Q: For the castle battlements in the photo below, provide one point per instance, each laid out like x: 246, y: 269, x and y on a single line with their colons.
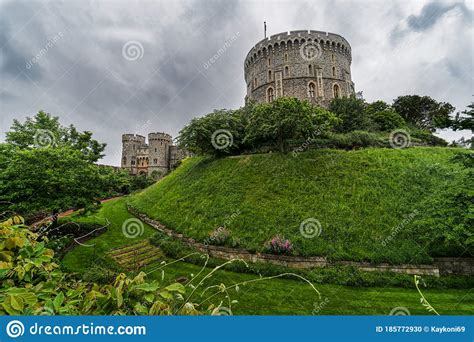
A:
x: 158, y: 155
x: 309, y: 65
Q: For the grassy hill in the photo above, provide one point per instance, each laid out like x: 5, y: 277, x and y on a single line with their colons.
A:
x: 361, y: 198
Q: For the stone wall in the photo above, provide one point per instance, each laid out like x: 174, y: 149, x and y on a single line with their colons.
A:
x: 277, y: 63
x: 441, y: 266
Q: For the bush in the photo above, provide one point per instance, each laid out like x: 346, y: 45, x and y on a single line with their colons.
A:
x: 349, y: 141
x: 425, y: 136
x: 33, y: 284
x: 279, y: 245
x: 387, y: 120
x: 264, y: 125
x: 351, y: 111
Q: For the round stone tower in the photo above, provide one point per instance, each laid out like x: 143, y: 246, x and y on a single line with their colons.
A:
x: 131, y: 144
x: 309, y: 65
x: 158, y: 146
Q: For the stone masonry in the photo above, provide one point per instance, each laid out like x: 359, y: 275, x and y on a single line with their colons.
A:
x: 141, y: 158
x: 309, y: 65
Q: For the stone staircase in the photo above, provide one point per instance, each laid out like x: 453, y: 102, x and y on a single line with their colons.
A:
x: 137, y: 255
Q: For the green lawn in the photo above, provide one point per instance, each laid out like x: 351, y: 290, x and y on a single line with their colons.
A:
x: 358, y: 196
x: 276, y: 296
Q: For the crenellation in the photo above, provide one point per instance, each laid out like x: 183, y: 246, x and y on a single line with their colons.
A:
x: 159, y: 154
x: 276, y: 66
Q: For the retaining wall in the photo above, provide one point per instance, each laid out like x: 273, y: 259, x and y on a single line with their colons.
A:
x: 441, y: 266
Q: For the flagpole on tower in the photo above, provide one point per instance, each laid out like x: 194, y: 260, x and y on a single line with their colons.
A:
x: 265, y: 29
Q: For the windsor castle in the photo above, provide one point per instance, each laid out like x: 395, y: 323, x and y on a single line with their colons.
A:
x: 308, y: 65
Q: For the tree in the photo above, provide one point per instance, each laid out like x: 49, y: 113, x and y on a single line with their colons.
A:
x: 465, y: 119
x: 286, y: 118
x: 44, y: 130
x: 387, y: 120
x: 48, y: 179
x: 351, y: 111
x: 377, y: 106
x: 423, y: 112
x: 217, y: 133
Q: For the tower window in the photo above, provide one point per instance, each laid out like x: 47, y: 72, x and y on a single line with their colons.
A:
x: 334, y: 71
x: 269, y: 62
x: 155, y: 149
x: 287, y: 71
x: 270, y: 94
x: 269, y: 75
x: 155, y: 161
x: 311, y: 90
x: 332, y: 57
x: 336, y: 92
x: 124, y: 161
x: 310, y: 69
x: 286, y: 57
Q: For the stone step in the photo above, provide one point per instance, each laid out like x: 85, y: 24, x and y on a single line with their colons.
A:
x: 128, y: 247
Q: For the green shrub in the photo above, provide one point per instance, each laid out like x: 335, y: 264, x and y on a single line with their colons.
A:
x: 349, y: 141
x: 387, y: 120
x: 351, y: 111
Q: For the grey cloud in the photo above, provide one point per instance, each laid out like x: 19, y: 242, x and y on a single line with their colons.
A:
x: 88, y: 82
x: 432, y: 12
x: 430, y: 15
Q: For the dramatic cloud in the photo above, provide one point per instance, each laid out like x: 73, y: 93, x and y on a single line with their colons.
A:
x: 185, y: 58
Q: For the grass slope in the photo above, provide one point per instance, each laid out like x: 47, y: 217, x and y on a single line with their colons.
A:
x: 358, y: 196
x: 277, y: 296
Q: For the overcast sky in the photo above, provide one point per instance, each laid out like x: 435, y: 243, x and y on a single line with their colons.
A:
x: 116, y: 67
